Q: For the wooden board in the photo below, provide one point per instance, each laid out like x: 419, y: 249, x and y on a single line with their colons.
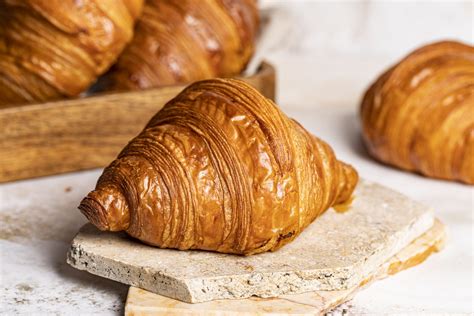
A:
x: 77, y: 134
x: 144, y: 303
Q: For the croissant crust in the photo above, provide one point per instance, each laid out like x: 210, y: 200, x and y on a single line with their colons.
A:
x: 219, y: 168
x: 57, y: 48
x: 180, y: 41
x: 419, y: 115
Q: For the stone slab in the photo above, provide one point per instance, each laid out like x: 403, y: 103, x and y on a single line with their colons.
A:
x: 145, y: 303
x: 336, y: 252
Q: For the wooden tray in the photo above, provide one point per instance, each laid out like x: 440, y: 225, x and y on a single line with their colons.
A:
x: 70, y: 135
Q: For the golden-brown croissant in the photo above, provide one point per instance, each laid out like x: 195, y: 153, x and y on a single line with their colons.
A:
x: 179, y: 41
x: 219, y: 168
x: 419, y: 115
x: 56, y: 48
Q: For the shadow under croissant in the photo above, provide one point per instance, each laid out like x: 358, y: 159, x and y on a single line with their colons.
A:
x: 85, y: 281
x: 92, y: 282
x: 351, y: 130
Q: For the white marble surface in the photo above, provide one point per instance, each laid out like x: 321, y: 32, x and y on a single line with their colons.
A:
x: 330, y: 52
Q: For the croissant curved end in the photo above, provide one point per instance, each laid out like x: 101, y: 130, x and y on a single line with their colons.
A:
x: 107, y: 209
x: 351, y: 177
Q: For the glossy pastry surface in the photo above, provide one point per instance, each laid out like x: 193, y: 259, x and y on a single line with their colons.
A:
x: 51, y: 49
x: 419, y: 115
x: 219, y: 168
x: 181, y: 41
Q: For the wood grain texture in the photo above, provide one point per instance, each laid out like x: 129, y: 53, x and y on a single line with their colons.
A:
x: 70, y: 135
x: 144, y: 303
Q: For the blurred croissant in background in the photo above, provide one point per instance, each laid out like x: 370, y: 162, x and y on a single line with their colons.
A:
x: 219, y: 168
x: 419, y: 115
x: 181, y: 41
x: 57, y: 48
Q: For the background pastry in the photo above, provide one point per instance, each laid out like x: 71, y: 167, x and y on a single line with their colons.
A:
x: 219, y: 168
x: 57, y: 48
x: 179, y: 41
x: 419, y: 115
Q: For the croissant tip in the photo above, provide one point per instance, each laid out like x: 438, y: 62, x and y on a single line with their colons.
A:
x: 94, y: 212
x: 349, y: 182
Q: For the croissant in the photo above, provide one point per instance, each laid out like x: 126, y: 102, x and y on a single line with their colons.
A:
x: 180, y: 41
x: 419, y: 115
x: 219, y: 168
x: 57, y: 48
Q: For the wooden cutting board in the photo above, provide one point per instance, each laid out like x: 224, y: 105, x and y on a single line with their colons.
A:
x: 143, y: 303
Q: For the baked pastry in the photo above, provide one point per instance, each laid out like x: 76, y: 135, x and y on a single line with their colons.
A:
x: 57, y: 48
x: 181, y: 41
x: 219, y: 168
x: 419, y: 115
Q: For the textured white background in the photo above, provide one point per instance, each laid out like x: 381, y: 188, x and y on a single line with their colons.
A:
x: 326, y: 53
